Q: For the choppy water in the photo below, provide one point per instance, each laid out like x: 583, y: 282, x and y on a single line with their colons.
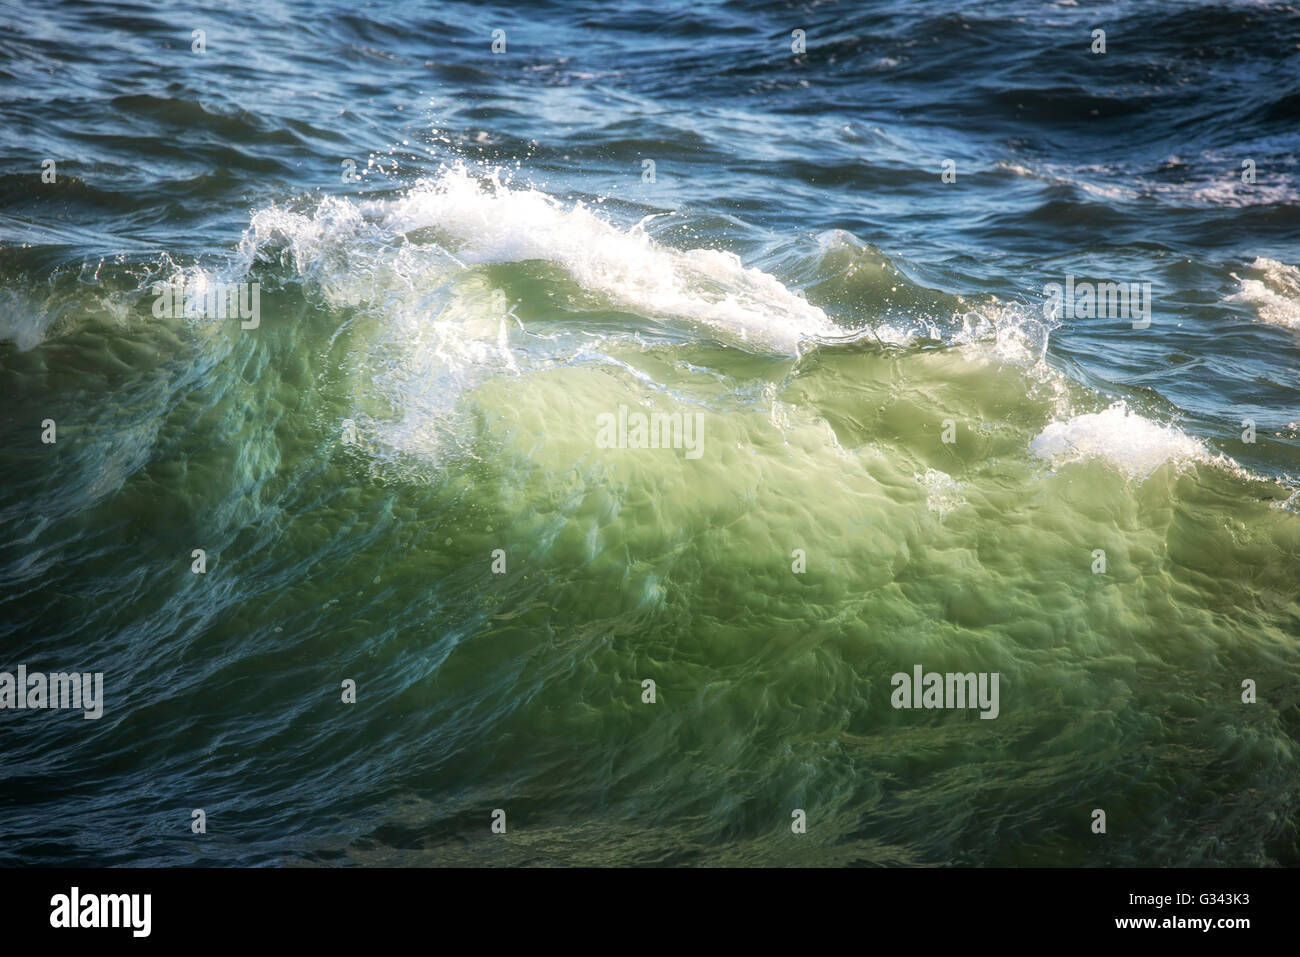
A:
x: 438, y: 340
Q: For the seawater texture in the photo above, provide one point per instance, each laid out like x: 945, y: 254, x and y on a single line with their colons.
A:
x: 439, y: 339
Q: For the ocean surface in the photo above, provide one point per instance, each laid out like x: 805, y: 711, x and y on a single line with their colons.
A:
x: 472, y: 251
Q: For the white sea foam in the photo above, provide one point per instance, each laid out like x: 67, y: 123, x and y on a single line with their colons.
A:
x: 1274, y: 293
x: 1130, y: 443
x: 477, y: 223
x: 23, y: 320
x: 942, y: 492
x: 1207, y: 184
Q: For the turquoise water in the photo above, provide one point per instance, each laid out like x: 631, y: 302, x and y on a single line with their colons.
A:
x: 399, y: 476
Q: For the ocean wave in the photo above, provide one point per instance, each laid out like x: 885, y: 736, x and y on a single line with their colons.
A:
x: 455, y: 220
x: 1130, y: 443
x: 1274, y: 292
